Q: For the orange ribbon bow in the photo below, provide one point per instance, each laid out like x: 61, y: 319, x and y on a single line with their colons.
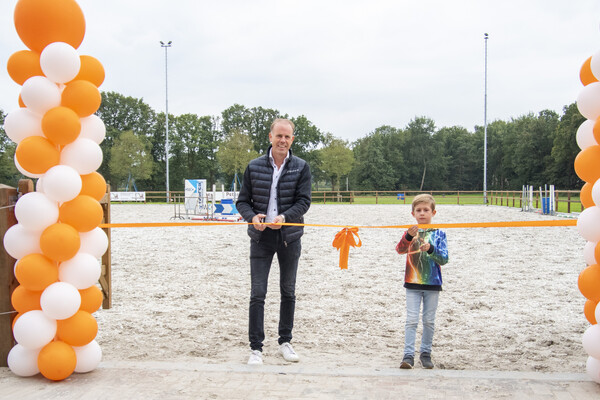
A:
x: 343, y: 240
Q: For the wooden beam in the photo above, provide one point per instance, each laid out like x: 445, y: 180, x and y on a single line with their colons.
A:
x: 8, y: 282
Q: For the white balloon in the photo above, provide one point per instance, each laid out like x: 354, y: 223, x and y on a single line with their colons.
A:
x: 93, y: 128
x: 39, y: 185
x: 62, y: 183
x: 596, y: 192
x: 60, y: 300
x: 588, y: 253
x: 23, y: 361
x: 94, y: 242
x: 22, y: 123
x: 591, y: 341
x: 88, y: 357
x: 84, y: 155
x: 60, y: 62
x: 35, y: 211
x: 18, y: 241
x: 81, y: 271
x: 34, y: 329
x: 40, y: 94
x: 585, y: 135
x: 592, y: 367
x: 25, y: 172
x: 588, y: 224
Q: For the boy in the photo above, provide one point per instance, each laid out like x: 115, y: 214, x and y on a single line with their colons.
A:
x: 426, y: 250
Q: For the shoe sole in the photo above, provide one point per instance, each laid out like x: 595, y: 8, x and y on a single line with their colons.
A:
x: 406, y: 365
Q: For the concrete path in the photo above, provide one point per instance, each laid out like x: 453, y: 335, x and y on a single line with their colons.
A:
x: 189, y: 380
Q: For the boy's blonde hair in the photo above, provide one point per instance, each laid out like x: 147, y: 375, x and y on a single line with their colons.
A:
x: 424, y: 198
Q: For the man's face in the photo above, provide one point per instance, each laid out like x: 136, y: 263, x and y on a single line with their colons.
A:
x: 281, y: 137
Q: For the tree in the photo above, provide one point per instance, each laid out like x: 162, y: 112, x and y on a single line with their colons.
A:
x: 422, y: 153
x: 565, y: 149
x: 235, y: 153
x: 122, y: 113
x: 9, y: 175
x: 369, y: 155
x: 130, y: 158
x: 336, y: 160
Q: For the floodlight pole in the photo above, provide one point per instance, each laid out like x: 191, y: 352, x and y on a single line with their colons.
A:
x: 485, y: 36
x: 166, y: 46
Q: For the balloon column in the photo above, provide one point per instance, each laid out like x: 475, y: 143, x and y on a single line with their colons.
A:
x: 57, y: 242
x: 587, y: 167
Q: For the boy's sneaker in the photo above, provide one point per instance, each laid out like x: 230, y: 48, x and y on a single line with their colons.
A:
x: 426, y: 361
x: 407, y: 362
x: 255, y: 357
x: 288, y: 353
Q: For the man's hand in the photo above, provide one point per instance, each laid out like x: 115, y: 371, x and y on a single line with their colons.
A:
x: 278, y: 220
x: 258, y: 221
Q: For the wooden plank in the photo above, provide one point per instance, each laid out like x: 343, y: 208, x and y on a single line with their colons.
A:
x: 105, y: 277
x: 8, y: 282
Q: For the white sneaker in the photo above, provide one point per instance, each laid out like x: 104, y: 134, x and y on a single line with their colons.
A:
x: 255, y: 357
x: 288, y: 353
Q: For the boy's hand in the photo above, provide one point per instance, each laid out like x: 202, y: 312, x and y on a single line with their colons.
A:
x: 425, y: 247
x: 413, y: 230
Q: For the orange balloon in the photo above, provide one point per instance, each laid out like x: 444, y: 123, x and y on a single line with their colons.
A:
x: 82, y: 97
x: 36, y: 272
x: 586, y: 195
x: 83, y: 213
x: 60, y: 242
x: 37, y: 154
x: 78, y: 330
x: 15, y: 320
x: 596, y: 131
x: 597, y: 253
x: 24, y: 300
x: 24, y: 64
x: 41, y: 22
x: 589, y: 282
x: 91, y: 70
x: 57, y: 360
x: 585, y: 74
x: 93, y: 185
x: 91, y: 299
x: 61, y: 125
x: 589, y: 309
x: 587, y: 164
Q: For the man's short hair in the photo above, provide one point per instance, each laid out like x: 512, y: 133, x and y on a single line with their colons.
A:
x: 424, y: 198
x: 279, y: 120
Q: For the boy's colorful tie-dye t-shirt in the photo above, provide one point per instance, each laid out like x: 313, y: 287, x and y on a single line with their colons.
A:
x: 423, y: 268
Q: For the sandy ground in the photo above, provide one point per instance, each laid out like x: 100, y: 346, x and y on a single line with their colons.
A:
x: 510, y: 299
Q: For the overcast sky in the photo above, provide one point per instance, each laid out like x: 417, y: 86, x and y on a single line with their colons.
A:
x: 349, y: 66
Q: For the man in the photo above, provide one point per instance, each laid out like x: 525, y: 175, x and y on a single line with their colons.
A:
x: 276, y: 189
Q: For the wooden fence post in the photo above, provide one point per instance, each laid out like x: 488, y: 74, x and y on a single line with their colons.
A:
x: 105, y: 277
x: 8, y: 282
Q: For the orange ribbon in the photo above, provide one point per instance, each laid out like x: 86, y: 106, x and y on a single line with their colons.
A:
x: 343, y: 240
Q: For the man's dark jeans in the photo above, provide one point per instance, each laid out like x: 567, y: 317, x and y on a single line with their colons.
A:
x: 261, y: 256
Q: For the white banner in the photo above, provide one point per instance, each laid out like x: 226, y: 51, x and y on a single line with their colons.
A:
x: 128, y: 196
x: 195, y: 195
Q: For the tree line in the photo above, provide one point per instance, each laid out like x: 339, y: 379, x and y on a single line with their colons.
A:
x: 533, y: 149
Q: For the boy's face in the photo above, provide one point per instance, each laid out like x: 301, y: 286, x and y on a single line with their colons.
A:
x: 423, y: 213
